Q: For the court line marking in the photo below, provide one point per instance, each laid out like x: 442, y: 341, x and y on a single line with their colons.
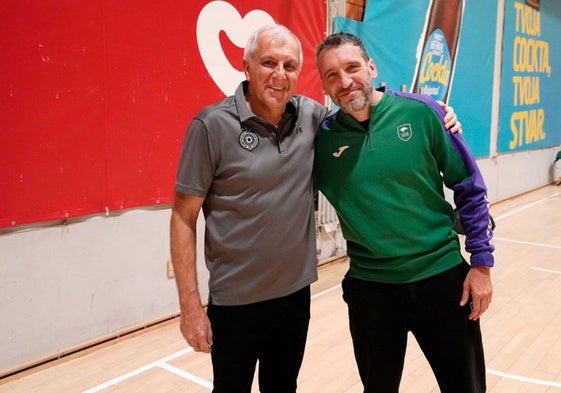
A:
x: 140, y: 370
x: 546, y: 270
x: 524, y: 207
x: 186, y: 375
x: 525, y: 242
x: 533, y: 381
x: 326, y: 291
x: 524, y: 379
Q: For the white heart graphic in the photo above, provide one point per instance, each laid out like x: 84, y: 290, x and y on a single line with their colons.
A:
x: 219, y: 16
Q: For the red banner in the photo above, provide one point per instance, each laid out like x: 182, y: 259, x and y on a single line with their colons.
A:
x: 96, y: 96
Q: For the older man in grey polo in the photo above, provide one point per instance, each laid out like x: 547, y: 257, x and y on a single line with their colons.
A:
x: 247, y: 163
x: 258, y: 204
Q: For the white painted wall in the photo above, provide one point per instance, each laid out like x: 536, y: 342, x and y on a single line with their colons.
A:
x: 68, y: 285
x: 513, y: 174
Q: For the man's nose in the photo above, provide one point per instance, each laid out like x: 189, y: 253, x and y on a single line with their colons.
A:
x: 280, y: 72
x: 345, y: 80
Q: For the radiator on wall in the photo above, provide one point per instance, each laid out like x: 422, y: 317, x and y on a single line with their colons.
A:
x: 330, y: 242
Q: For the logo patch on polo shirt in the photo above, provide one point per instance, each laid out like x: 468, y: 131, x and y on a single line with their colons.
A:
x: 248, y: 139
x: 404, y: 132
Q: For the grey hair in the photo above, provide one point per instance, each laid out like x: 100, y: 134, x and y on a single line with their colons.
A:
x: 279, y: 32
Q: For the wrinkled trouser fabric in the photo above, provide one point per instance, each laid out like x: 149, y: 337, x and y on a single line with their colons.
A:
x: 272, y: 332
x: 381, y: 315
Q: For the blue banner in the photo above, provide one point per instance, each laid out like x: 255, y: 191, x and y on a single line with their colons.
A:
x: 530, y: 112
x: 444, y: 48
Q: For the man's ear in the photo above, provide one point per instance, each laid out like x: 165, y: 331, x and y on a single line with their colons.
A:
x: 246, y: 69
x: 372, y: 69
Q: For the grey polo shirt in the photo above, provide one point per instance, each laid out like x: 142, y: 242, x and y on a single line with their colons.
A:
x: 260, y: 229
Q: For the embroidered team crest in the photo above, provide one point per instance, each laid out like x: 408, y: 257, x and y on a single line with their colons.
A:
x: 404, y: 132
x: 248, y: 139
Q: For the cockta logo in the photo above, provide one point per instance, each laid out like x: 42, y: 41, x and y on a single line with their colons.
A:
x: 439, y: 44
x: 434, y: 73
x: 219, y: 16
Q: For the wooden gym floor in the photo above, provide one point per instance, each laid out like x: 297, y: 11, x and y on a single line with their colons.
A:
x: 522, y: 329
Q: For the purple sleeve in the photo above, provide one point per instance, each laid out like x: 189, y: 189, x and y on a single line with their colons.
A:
x: 470, y: 195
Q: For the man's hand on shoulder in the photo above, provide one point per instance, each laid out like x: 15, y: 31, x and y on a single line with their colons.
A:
x: 451, y: 121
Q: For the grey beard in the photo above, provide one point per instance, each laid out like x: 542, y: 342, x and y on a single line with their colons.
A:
x: 355, y: 105
x: 360, y: 103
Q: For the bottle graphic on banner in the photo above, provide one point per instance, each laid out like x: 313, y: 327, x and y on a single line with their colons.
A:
x: 438, y: 46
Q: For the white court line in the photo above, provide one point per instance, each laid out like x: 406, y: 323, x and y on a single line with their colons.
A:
x: 186, y: 375
x: 546, y: 270
x: 138, y: 371
x: 120, y: 378
x: 326, y: 291
x: 520, y: 378
x: 529, y: 243
x: 524, y: 379
x: 524, y: 207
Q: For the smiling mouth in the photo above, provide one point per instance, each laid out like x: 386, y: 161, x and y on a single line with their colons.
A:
x: 347, y: 92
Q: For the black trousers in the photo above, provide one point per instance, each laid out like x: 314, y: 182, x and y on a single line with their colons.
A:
x: 272, y: 332
x: 381, y: 315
